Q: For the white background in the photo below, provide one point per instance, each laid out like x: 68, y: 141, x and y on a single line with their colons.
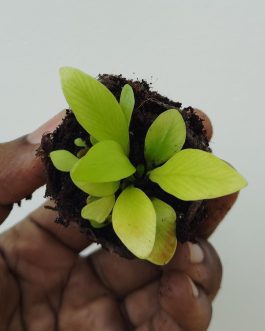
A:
x: 208, y: 54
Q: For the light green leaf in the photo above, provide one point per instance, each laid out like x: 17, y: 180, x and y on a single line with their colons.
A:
x: 94, y: 106
x: 99, y: 209
x: 127, y: 102
x: 166, y: 241
x: 98, y: 189
x: 192, y: 174
x: 104, y: 162
x: 93, y: 140
x: 80, y: 142
x: 98, y: 225
x: 63, y: 160
x: 134, y: 221
x: 91, y: 198
x: 165, y: 137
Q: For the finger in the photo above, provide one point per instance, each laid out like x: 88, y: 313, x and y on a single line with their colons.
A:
x: 216, y: 211
x: 121, y: 275
x: 206, y: 123
x: 140, y: 305
x: 30, y: 250
x: 160, y: 322
x: 69, y: 236
x: 9, y: 293
x: 102, y: 314
x: 198, y: 261
x: 4, y: 212
x: 186, y: 303
x: 163, y: 321
x: 21, y: 171
x: 201, y: 263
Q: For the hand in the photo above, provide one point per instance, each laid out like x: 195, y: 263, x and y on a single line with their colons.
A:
x: 46, y: 285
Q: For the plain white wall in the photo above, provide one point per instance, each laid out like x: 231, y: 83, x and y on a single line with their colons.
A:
x: 208, y: 54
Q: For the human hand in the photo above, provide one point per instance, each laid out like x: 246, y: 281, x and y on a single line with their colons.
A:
x: 46, y: 285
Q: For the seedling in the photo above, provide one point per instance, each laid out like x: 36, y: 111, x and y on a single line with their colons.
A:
x: 145, y: 224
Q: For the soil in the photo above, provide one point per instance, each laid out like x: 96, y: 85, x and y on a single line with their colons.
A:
x: 69, y: 199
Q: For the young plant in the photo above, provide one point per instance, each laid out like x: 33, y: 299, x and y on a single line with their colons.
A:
x: 145, y: 224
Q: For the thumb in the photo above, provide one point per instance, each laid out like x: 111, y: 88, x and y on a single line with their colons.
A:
x: 216, y: 210
x: 21, y: 171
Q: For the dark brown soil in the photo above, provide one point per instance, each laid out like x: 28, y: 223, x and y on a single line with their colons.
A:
x: 70, y: 200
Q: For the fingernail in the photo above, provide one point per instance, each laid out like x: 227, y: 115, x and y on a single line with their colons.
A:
x: 51, y: 125
x: 196, y: 253
x: 194, y: 288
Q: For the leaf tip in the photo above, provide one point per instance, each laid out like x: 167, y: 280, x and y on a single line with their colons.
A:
x: 63, y: 71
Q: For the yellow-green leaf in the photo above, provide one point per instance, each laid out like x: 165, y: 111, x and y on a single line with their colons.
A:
x: 193, y: 174
x: 98, y: 189
x: 98, y: 210
x: 134, y: 221
x: 127, y: 102
x: 63, y: 160
x: 93, y: 140
x: 166, y: 241
x: 165, y: 137
x: 104, y: 162
x: 80, y: 142
x: 98, y: 225
x: 95, y: 107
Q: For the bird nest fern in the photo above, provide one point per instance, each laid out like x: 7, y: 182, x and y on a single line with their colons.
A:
x: 145, y: 224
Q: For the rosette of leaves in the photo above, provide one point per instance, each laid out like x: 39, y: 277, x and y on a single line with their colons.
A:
x: 145, y: 224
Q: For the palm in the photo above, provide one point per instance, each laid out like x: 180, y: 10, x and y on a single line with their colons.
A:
x: 48, y: 286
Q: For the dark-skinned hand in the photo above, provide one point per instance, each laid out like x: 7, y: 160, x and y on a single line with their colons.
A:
x: 45, y: 285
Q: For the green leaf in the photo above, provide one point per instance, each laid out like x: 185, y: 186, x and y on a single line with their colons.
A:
x: 95, y: 107
x: 166, y: 241
x: 80, y: 142
x: 91, y: 198
x: 98, y: 225
x: 63, y: 160
x: 93, y: 140
x: 193, y: 174
x: 98, y: 210
x: 98, y: 189
x: 127, y: 102
x: 134, y: 221
x: 165, y: 137
x: 104, y: 162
